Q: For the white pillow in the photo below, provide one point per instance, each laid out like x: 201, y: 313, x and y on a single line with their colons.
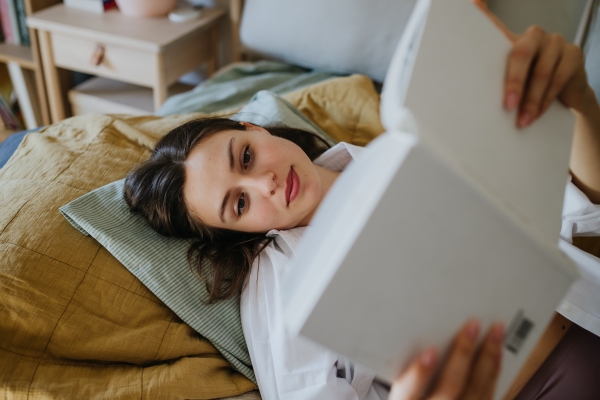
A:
x: 337, y: 36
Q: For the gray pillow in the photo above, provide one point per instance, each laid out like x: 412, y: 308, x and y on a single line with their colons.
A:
x: 160, y: 262
x: 339, y: 36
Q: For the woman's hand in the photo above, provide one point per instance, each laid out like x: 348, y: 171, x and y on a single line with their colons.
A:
x: 469, y: 373
x: 542, y: 67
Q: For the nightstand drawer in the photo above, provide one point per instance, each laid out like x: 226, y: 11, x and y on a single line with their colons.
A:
x: 116, y: 62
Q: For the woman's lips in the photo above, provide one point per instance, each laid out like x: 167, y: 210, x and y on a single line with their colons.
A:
x: 293, y: 186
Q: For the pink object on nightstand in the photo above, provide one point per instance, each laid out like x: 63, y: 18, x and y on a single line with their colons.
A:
x: 146, y: 8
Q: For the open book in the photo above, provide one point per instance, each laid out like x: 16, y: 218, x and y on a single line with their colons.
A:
x: 453, y: 213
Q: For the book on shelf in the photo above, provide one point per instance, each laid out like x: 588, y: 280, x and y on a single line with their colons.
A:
x: 22, y: 19
x: 1, y: 32
x: 453, y: 213
x: 14, y: 21
x: 14, y: 26
x: 8, y: 116
x: 97, y: 6
x: 7, y: 29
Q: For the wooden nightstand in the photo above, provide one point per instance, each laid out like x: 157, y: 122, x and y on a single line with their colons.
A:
x: 152, y: 52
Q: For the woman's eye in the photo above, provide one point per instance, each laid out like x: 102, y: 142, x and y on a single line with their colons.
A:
x: 247, y: 156
x: 241, y: 205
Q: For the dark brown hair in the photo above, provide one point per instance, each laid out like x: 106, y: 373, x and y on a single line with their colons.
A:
x: 221, y: 257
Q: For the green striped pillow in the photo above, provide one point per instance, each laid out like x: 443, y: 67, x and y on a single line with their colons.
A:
x: 160, y: 262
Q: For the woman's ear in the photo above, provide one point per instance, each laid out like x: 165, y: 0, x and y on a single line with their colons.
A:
x: 255, y: 127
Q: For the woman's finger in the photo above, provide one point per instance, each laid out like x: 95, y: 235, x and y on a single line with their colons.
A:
x: 569, y: 80
x: 457, y: 370
x: 541, y: 78
x: 487, y: 366
x: 413, y: 382
x: 563, y: 74
x: 524, y: 51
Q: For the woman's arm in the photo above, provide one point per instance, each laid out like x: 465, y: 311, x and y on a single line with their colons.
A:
x: 542, y: 67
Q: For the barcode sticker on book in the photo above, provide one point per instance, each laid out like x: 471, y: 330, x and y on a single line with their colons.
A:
x: 518, y: 332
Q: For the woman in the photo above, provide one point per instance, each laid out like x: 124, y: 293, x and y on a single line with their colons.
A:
x: 225, y: 184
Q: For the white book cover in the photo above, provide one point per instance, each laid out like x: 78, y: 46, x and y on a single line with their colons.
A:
x: 458, y: 218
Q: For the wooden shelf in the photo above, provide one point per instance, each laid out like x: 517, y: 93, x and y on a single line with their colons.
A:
x: 22, y: 55
x: 108, y: 96
x: 30, y: 71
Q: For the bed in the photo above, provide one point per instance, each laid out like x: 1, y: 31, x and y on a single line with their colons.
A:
x: 74, y: 321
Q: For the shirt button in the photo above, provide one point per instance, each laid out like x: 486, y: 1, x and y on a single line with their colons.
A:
x: 566, y: 307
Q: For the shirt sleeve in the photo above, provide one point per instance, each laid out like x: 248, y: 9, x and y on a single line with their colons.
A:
x: 289, y: 367
x: 581, y: 217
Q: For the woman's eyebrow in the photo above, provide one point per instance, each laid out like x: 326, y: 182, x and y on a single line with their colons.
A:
x: 230, y: 148
x: 231, y: 164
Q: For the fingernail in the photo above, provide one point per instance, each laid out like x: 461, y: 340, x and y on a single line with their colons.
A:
x: 512, y: 101
x: 472, y: 329
x: 525, y: 118
x: 428, y: 358
x: 498, y: 333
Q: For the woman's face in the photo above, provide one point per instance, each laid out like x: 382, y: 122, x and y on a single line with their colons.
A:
x: 251, y: 181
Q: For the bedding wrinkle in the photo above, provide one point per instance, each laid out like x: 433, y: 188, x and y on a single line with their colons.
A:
x: 346, y: 108
x: 142, y: 384
x: 55, y: 326
x: 158, y: 302
x: 161, y: 341
x: 42, y: 254
x: 357, y: 120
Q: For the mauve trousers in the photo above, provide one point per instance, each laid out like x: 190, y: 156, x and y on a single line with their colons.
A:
x: 571, y: 371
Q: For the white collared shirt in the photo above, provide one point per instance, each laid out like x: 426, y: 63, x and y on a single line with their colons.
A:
x: 288, y: 367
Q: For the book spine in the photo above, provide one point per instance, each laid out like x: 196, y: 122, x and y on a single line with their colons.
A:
x: 3, y: 125
x: 6, y: 27
x: 22, y: 17
x: 8, y: 116
x: 1, y: 32
x: 14, y: 21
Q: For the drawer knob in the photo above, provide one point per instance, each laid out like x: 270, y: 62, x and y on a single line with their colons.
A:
x: 98, y: 55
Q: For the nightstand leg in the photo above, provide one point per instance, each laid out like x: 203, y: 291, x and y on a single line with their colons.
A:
x: 55, y: 102
x: 160, y: 86
x: 39, y: 78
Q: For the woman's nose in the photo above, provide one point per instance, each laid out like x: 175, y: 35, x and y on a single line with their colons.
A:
x: 264, y: 183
